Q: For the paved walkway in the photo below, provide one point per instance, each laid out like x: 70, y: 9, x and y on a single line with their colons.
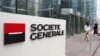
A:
x: 76, y: 46
x: 97, y: 52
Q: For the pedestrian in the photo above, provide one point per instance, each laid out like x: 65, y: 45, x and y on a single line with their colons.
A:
x: 87, y: 29
x: 96, y: 29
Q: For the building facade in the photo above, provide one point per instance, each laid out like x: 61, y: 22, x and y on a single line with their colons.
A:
x: 75, y: 12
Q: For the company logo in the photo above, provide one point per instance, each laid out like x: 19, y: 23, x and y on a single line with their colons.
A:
x: 14, y: 32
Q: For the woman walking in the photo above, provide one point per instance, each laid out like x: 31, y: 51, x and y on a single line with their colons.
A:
x: 87, y: 29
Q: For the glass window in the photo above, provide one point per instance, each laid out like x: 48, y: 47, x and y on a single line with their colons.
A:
x: 22, y: 6
x: 8, y: 6
x: 33, y: 7
x: 48, y: 8
x: 0, y: 5
x: 66, y: 4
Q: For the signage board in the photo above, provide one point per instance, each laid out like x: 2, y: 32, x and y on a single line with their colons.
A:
x: 31, y: 36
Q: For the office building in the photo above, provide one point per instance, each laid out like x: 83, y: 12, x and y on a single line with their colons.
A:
x: 75, y: 12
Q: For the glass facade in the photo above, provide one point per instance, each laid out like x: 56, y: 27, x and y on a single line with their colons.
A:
x: 75, y: 12
x: 91, y: 9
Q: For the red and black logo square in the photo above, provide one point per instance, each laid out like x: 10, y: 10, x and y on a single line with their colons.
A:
x: 14, y: 32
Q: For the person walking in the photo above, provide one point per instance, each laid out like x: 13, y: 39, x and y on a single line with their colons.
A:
x: 96, y: 29
x: 87, y: 29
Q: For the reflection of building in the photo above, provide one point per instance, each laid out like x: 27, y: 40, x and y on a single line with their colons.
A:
x: 7, y: 5
x: 91, y: 9
x: 75, y: 12
x: 19, y: 6
x: 49, y: 8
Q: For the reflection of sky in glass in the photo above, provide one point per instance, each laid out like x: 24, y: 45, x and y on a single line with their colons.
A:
x: 98, y: 8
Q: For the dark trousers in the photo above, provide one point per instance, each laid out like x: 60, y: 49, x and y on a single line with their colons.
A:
x: 95, y: 31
